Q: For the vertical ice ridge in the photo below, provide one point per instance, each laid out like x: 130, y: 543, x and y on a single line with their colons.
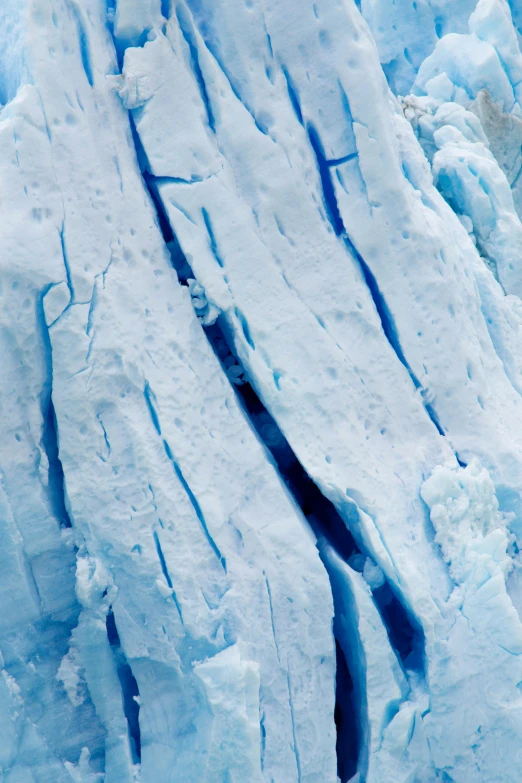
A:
x: 32, y: 584
x: 334, y: 214
x: 186, y: 15
x: 251, y: 342
x: 272, y: 617
x: 292, y: 718
x: 215, y: 251
x: 386, y: 602
x: 211, y: 233
x: 150, y: 401
x: 190, y: 211
x: 411, y: 656
x: 288, y: 679
x: 241, y: 391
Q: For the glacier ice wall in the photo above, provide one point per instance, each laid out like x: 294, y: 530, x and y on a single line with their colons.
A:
x: 261, y: 415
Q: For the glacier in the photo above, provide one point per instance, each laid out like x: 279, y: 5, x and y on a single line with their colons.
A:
x: 260, y: 391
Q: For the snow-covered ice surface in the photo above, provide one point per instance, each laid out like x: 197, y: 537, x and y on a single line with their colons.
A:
x: 260, y: 391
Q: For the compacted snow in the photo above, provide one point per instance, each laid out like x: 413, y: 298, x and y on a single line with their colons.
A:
x: 260, y: 391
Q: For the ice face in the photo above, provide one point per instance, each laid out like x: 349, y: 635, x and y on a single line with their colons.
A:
x: 260, y: 463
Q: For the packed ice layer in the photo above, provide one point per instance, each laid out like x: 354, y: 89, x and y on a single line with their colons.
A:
x: 260, y: 465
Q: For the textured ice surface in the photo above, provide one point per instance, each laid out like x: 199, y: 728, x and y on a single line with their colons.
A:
x: 260, y: 391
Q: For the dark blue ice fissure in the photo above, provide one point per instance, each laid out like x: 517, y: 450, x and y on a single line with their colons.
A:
x: 129, y: 687
x: 161, y: 215
x: 166, y: 574
x: 195, y: 505
x: 50, y: 442
x: 390, y: 330
x: 404, y: 631
x: 323, y: 167
x: 212, y: 237
x: 188, y: 34
x: 165, y: 8
x: 143, y: 158
x: 383, y: 311
x: 56, y: 479
x: 161, y: 558
x: 406, y: 635
x: 293, y: 95
x: 68, y: 275
x: 245, y: 328
x: 339, y: 161
x: 177, y: 257
x: 84, y: 45
x: 150, y: 399
x: 346, y: 719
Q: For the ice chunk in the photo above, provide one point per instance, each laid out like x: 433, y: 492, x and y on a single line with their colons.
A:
x: 504, y: 134
x: 471, y: 64
x: 205, y: 310
x: 373, y: 575
x: 232, y: 688
x: 471, y: 180
x: 480, y: 77
x: 82, y: 772
x: 481, y: 618
x: 464, y: 511
x: 69, y: 674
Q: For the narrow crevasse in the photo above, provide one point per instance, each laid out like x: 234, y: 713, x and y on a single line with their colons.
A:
x: 129, y: 688
x: 405, y: 637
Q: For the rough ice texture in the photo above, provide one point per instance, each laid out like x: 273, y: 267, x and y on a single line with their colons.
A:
x: 261, y: 431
